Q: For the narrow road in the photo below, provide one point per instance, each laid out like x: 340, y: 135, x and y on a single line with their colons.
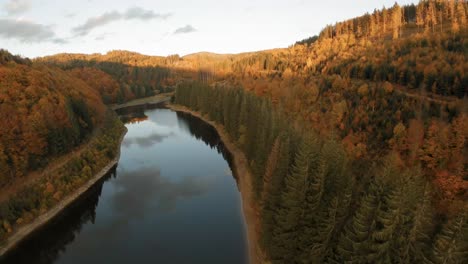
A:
x: 20, y: 182
x: 160, y: 98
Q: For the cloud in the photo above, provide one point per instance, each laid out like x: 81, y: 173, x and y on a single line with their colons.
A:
x: 95, y: 22
x: 109, y: 17
x: 146, y: 141
x: 103, y: 36
x: 185, y: 30
x: 59, y: 41
x: 140, y: 13
x: 70, y: 15
x: 146, y: 190
x: 14, y: 7
x: 28, y: 32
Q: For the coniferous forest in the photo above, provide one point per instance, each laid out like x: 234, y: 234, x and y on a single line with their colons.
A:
x: 317, y: 204
x: 356, y: 138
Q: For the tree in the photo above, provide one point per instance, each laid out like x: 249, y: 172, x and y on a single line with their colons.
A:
x: 418, y: 238
x: 272, y: 195
x: 396, y: 20
x: 351, y: 245
x: 451, y: 245
x: 292, y: 200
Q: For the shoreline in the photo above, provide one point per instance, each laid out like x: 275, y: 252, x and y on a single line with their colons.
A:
x: 245, y: 184
x: 25, y: 231
x: 249, y: 209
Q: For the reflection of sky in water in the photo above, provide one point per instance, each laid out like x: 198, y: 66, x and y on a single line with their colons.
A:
x: 170, y: 203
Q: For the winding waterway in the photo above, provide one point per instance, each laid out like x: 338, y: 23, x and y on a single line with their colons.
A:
x: 172, y: 199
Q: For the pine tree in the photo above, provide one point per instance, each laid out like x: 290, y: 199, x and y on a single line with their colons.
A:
x: 271, y: 164
x: 235, y: 116
x: 451, y: 245
x: 396, y: 20
x: 431, y: 17
x: 461, y: 13
x: 325, y: 231
x: 243, y: 114
x: 387, y: 221
x: 271, y: 203
x: 292, y: 205
x: 420, y: 15
x: 418, y: 238
x: 351, y: 245
x: 261, y: 148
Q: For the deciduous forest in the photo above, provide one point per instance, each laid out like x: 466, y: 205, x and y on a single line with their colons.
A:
x: 357, y: 139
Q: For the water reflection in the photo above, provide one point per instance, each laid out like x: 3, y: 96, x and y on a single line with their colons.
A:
x: 170, y: 201
x: 146, y: 141
x: 148, y: 190
x: 134, y: 118
x: 206, y: 133
x: 41, y: 248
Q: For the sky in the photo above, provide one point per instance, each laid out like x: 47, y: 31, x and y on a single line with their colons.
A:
x: 35, y: 28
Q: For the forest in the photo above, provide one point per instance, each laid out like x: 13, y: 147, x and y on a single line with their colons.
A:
x: 31, y: 128
x: 357, y: 137
x: 382, y: 177
x: 317, y: 204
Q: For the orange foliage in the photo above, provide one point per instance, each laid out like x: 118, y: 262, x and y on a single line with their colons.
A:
x: 107, y: 87
x: 44, y: 111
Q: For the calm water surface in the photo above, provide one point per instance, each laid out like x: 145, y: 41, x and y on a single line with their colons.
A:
x: 172, y: 199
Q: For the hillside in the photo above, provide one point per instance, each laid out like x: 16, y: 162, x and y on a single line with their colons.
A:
x: 45, y: 113
x: 56, y: 133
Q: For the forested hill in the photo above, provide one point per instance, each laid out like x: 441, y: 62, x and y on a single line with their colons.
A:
x: 55, y: 135
x: 45, y: 112
x: 416, y: 47
x: 390, y: 81
x: 420, y: 47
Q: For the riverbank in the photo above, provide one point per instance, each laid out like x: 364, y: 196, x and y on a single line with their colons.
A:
x: 24, y: 231
x: 249, y: 206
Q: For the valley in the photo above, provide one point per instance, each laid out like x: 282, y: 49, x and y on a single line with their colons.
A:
x: 350, y: 146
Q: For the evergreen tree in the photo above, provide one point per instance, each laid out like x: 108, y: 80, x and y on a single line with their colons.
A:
x: 451, y: 245
x: 272, y: 194
x: 292, y: 205
x: 352, y: 245
x: 421, y: 225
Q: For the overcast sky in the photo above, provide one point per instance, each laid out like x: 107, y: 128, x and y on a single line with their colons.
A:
x: 156, y: 27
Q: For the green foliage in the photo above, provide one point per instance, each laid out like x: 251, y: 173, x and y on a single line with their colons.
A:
x: 451, y: 245
x: 317, y: 204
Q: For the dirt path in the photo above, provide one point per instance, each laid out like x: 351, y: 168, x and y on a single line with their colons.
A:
x: 26, y: 230
x: 160, y: 98
x: 250, y: 209
x: 58, y: 162
x: 430, y: 97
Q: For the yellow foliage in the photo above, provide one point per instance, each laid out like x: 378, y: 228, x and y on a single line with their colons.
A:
x: 363, y: 90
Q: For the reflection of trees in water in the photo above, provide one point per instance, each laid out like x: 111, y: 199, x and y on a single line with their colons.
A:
x: 135, y: 117
x: 137, y: 109
x: 46, y: 244
x: 208, y: 134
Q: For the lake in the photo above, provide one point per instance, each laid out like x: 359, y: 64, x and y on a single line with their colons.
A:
x: 171, y: 199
